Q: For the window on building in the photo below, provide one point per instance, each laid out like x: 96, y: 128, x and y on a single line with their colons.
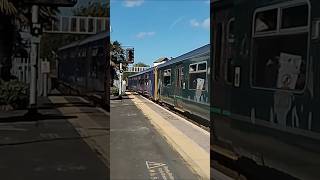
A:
x: 280, y: 59
x: 197, y: 78
x: 167, y: 77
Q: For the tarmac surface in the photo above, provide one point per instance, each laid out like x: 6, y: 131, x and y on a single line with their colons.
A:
x: 50, y: 148
x: 138, y: 151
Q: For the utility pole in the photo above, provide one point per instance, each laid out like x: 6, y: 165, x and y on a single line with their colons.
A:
x: 35, y: 43
x: 120, y: 79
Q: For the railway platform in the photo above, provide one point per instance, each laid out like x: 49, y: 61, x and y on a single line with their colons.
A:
x: 149, y: 142
x: 68, y: 141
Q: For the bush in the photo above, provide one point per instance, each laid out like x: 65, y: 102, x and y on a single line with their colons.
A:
x: 13, y: 93
x: 115, y: 91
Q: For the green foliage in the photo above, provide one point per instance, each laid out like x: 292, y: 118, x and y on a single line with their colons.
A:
x: 12, y: 93
x: 140, y: 64
x: 94, y: 9
x: 115, y: 91
x: 127, y: 74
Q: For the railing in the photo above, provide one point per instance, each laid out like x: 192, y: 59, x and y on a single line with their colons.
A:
x: 136, y: 69
x: 78, y: 25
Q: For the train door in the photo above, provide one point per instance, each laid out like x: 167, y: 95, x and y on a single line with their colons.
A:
x: 178, y: 86
x: 155, y: 85
x: 223, y: 62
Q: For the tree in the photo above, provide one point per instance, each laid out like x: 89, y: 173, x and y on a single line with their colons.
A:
x: 140, y: 64
x: 7, y: 7
x: 15, y: 14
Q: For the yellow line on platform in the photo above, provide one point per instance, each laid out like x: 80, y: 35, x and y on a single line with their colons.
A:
x: 197, y: 158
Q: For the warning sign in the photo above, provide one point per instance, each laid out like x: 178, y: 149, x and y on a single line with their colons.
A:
x: 45, y: 67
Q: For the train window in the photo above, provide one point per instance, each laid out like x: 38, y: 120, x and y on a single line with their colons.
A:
x: 167, y: 77
x: 294, y: 16
x: 197, y: 79
x: 202, y: 66
x: 94, y: 51
x: 193, y: 68
x: 266, y: 20
x: 280, y: 59
x: 280, y: 62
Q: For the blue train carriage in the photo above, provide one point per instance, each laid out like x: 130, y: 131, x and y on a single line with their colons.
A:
x: 82, y: 64
x: 143, y: 82
x: 265, y: 86
x: 183, y: 82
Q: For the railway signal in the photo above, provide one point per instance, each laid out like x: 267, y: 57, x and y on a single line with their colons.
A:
x: 130, y: 56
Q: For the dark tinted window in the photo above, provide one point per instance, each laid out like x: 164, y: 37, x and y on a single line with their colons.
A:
x: 295, y: 16
x: 202, y: 66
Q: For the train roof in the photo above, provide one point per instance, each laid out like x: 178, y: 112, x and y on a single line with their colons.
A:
x: 89, y: 39
x: 201, y: 50
x: 142, y: 72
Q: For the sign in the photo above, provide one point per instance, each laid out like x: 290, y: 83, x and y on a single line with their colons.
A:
x: 36, y: 29
x: 60, y: 3
x: 45, y: 67
x: 289, y: 70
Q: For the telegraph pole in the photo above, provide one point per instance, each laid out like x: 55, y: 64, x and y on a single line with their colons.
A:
x: 35, y: 43
x: 120, y: 79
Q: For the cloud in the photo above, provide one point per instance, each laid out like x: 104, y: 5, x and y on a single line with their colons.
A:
x: 133, y: 3
x: 142, y: 35
x: 176, y: 22
x: 203, y: 24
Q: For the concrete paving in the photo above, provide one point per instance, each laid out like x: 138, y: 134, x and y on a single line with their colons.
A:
x: 138, y: 151
x: 189, y: 140
x: 50, y: 149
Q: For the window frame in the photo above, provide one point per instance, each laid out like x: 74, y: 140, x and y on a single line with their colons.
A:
x: 281, y: 32
x: 197, y: 72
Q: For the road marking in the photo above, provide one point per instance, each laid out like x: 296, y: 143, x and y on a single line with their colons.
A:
x: 159, y: 171
x: 152, y: 165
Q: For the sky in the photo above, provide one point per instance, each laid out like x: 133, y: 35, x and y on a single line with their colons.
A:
x: 160, y: 28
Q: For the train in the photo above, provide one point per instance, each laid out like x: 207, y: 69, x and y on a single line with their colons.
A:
x: 83, y: 67
x: 182, y: 82
x: 265, y: 118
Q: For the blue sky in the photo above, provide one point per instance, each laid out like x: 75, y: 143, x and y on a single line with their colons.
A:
x: 160, y: 28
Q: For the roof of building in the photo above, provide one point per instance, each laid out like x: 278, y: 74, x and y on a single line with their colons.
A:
x: 89, y: 39
x: 161, y: 60
x: 142, y: 72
